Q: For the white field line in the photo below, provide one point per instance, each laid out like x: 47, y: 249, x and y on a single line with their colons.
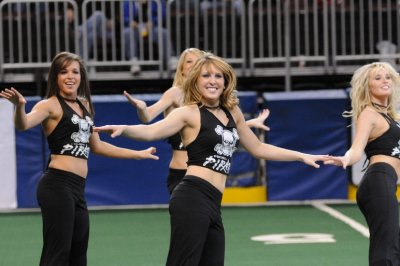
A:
x: 340, y: 216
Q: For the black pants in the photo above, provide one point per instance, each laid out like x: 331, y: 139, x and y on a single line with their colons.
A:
x: 376, y: 198
x: 65, y: 218
x: 197, y: 233
x: 174, y: 177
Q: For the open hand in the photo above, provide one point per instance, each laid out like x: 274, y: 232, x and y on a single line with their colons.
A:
x: 13, y: 96
x: 260, y: 119
x: 139, y: 104
x: 149, y: 153
x: 336, y: 160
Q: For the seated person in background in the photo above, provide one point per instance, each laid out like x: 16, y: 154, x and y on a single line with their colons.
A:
x: 138, y: 24
x: 94, y: 29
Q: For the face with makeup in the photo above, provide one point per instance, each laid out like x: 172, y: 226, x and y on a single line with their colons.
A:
x: 380, y: 85
x: 211, y: 84
x: 69, y: 79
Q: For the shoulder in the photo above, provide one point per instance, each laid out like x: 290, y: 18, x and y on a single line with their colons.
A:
x: 49, y: 103
x: 368, y: 114
x: 186, y: 112
x: 369, y: 117
x: 48, y: 107
x: 237, y: 114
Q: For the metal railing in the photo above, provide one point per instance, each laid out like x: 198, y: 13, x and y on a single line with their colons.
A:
x: 258, y: 37
x: 31, y: 32
x: 214, y: 25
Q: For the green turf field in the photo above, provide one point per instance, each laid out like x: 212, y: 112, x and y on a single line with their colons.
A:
x: 140, y: 237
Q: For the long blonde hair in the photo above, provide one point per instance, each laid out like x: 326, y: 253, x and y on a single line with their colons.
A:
x: 360, y: 92
x: 228, y: 98
x: 179, y: 77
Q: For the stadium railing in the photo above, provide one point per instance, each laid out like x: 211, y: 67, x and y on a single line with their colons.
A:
x: 258, y: 37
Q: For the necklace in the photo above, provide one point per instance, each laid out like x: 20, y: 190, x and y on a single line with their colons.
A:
x: 212, y: 107
x: 69, y: 100
x: 379, y: 105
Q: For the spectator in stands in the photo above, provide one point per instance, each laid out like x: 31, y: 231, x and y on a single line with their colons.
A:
x: 210, y: 124
x: 138, y: 25
x: 374, y: 96
x: 172, y: 99
x: 66, y: 116
x: 95, y: 26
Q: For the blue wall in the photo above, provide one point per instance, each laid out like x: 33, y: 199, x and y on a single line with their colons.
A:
x: 308, y: 121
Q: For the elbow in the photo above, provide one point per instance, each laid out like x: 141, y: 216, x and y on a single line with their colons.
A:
x: 21, y: 127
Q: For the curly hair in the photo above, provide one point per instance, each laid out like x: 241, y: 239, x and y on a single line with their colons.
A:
x: 228, y: 98
x: 360, y: 92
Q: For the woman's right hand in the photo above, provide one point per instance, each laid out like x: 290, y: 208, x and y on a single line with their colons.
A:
x: 13, y: 96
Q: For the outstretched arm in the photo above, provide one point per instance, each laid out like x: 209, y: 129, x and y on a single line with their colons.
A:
x: 22, y: 120
x: 364, y: 127
x: 259, y: 121
x: 148, y: 113
x: 164, y: 128
x: 106, y: 149
x: 141, y: 107
x: 267, y: 151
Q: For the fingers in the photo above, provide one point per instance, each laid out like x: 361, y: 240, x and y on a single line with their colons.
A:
x: 97, y: 129
x: 128, y: 96
x: 105, y: 129
x: 265, y: 128
x: 153, y: 150
x: 265, y: 113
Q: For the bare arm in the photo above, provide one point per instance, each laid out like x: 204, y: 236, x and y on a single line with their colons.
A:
x: 22, y: 120
x: 164, y: 128
x: 365, y: 125
x: 106, y: 149
x: 148, y: 113
x: 267, y: 151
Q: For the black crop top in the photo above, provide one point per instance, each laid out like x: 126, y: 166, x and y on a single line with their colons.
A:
x: 72, y: 133
x: 176, y: 142
x: 388, y: 143
x: 215, y: 143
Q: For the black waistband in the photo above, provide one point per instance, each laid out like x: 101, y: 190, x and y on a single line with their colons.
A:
x: 204, y: 186
x: 64, y: 176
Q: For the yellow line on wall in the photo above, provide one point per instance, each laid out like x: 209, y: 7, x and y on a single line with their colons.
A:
x: 353, y: 190
x: 254, y: 194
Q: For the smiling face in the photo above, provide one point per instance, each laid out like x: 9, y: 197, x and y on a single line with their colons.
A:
x: 211, y: 84
x: 69, y: 79
x: 380, y: 85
